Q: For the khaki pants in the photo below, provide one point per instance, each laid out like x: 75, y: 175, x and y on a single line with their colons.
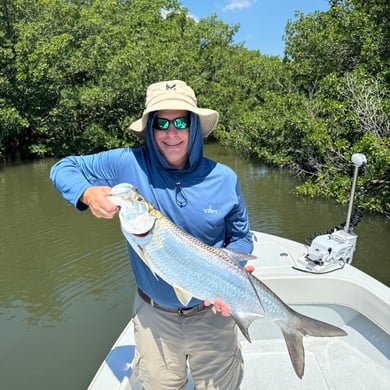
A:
x: 165, y: 341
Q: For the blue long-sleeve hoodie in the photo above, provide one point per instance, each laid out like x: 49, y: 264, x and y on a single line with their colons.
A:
x: 204, y: 199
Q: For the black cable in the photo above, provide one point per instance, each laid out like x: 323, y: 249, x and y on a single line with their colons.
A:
x: 322, y: 272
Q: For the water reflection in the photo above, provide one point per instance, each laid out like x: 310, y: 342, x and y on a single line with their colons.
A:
x: 51, y: 255
x: 65, y: 281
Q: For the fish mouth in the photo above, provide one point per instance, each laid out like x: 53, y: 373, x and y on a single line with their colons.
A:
x: 142, y: 234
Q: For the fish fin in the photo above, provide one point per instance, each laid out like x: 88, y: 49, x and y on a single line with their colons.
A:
x: 294, y: 342
x: 312, y: 327
x: 236, y: 256
x: 300, y: 326
x: 252, y: 282
x: 243, y: 322
x: 146, y: 260
x: 183, y: 296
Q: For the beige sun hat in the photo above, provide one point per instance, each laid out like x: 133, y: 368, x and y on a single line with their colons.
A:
x: 173, y: 95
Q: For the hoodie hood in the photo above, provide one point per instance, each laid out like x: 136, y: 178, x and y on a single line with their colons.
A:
x: 195, y: 146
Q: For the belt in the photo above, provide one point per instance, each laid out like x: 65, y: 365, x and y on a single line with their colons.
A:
x: 182, y: 312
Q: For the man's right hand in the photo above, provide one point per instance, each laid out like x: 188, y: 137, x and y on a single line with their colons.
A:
x: 96, y: 199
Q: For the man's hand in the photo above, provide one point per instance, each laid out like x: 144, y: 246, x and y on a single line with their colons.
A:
x: 219, y: 305
x: 96, y: 198
x: 249, y: 268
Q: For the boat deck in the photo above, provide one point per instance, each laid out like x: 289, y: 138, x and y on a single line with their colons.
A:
x: 360, y: 360
x: 351, y: 362
x: 346, y: 298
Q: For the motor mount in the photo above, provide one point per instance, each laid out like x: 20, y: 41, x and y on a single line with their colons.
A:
x: 331, y: 251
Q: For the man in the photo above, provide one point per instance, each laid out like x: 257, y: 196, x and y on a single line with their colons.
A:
x: 200, y: 196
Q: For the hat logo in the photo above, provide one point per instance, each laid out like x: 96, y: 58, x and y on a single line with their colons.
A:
x: 169, y: 87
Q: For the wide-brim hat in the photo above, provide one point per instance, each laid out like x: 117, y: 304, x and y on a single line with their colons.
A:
x: 174, y: 95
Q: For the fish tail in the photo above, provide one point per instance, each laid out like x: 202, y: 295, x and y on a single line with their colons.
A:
x: 293, y: 332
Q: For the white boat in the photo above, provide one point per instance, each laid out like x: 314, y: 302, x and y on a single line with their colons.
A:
x: 319, y: 281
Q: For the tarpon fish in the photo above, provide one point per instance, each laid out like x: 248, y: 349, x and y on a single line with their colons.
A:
x: 195, y: 269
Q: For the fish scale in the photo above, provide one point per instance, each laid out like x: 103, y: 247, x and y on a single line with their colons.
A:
x: 207, y: 271
x: 198, y: 270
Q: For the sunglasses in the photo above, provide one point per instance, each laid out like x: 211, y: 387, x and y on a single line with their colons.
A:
x: 179, y: 123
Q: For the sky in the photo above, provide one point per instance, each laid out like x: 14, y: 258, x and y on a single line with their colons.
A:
x: 262, y: 22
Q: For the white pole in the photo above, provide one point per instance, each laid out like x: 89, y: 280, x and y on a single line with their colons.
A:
x: 358, y: 160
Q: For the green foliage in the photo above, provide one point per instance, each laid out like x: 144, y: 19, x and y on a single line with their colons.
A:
x: 339, y: 40
x: 11, y: 124
x: 339, y: 60
x: 356, y: 120
x: 73, y: 76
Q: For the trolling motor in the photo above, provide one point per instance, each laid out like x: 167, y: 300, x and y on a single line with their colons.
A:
x: 331, y: 251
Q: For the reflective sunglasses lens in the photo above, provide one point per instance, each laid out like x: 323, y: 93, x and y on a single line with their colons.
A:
x: 161, y: 123
x: 181, y: 123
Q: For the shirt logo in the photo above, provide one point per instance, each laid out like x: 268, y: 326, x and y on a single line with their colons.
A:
x: 210, y: 210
